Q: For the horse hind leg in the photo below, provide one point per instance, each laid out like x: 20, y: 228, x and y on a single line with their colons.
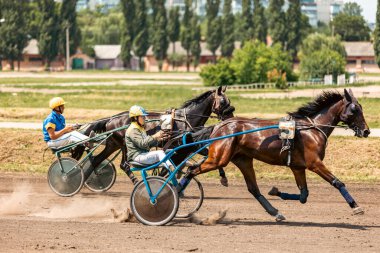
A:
x: 245, y: 164
x: 302, y: 186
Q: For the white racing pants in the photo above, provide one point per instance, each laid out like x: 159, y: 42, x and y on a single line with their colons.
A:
x: 152, y: 157
x: 67, y: 139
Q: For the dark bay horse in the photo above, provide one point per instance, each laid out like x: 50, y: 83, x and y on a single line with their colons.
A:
x: 191, y: 116
x: 314, y: 124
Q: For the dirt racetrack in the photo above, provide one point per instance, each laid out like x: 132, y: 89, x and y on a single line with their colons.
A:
x: 34, y: 219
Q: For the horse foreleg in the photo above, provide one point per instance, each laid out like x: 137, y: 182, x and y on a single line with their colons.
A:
x: 223, y: 178
x: 218, y: 158
x: 323, y: 172
x: 245, y: 164
x: 300, y: 177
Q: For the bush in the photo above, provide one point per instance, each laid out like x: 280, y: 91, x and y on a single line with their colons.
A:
x: 251, y: 64
x: 278, y: 77
x: 218, y: 74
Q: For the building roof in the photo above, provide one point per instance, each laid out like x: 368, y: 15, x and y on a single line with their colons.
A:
x: 107, y: 51
x: 359, y: 48
x: 32, y: 47
x: 180, y: 50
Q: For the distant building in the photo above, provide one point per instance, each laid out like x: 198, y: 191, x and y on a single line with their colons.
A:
x: 360, y: 57
x: 108, y: 57
x: 325, y: 8
x: 32, y: 60
x: 82, y: 5
x: 309, y: 8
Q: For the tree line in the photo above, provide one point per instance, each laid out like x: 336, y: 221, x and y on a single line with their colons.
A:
x: 44, y: 20
x: 139, y: 24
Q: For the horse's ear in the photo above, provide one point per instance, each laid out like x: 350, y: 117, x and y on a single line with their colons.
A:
x: 347, y: 96
x: 220, y: 90
x: 352, y: 95
x: 225, y: 88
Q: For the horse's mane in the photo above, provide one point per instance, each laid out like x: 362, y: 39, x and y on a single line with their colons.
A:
x: 198, y: 99
x: 327, y: 98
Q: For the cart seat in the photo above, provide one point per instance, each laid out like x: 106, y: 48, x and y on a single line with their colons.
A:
x: 141, y: 165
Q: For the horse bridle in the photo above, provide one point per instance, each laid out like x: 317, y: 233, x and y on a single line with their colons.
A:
x: 221, y: 111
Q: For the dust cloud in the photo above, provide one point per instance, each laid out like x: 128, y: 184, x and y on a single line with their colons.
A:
x: 78, y: 208
x: 17, y: 202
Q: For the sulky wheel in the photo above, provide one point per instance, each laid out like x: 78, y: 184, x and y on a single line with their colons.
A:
x: 102, y: 178
x: 160, y: 212
x: 191, y: 199
x: 68, y: 180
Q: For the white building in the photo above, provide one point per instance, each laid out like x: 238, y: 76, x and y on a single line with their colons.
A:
x: 325, y: 8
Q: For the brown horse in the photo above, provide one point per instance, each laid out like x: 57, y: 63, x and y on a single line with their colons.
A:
x: 314, y: 124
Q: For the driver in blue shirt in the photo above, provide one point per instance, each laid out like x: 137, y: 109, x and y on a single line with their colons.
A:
x: 56, y: 132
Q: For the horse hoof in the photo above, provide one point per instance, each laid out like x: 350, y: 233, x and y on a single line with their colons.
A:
x: 224, y: 181
x: 273, y: 191
x: 280, y: 217
x: 358, y: 210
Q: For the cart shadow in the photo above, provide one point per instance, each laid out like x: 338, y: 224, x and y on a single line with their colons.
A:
x: 186, y: 223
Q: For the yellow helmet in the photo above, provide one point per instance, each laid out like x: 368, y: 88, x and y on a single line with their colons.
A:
x: 137, y: 111
x: 55, y: 102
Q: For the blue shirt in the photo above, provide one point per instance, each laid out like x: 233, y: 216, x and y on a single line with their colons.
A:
x: 55, y: 121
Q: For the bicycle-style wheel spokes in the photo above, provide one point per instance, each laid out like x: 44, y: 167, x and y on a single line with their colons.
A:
x: 162, y: 210
x: 102, y: 178
x: 67, y: 180
x: 190, y: 199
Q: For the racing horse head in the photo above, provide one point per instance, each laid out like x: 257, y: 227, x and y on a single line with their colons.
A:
x: 352, y: 115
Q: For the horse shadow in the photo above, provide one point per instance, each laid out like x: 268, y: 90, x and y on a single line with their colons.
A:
x: 186, y: 223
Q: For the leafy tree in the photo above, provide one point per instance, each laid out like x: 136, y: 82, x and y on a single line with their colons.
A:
x: 214, y: 26
x: 218, y: 74
x: 128, y: 9
x: 48, y: 41
x: 315, y: 42
x: 228, y: 40
x: 141, y: 40
x: 69, y: 20
x: 322, y: 62
x: 247, y: 21
x: 186, y: 32
x: 174, y: 26
x: 376, y: 35
x: 13, y: 31
x: 294, y: 19
x: 351, y: 28
x: 160, y: 36
x: 352, y: 9
x: 306, y: 28
x: 276, y: 22
x: 259, y: 22
x: 34, y: 20
x: 321, y: 55
x: 100, y: 28
x: 195, y: 46
x: 238, y: 27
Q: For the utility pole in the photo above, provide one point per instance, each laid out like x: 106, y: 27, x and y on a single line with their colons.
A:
x: 67, y: 48
x: 2, y: 20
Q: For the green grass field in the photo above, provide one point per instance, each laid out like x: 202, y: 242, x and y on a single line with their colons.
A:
x: 153, y: 97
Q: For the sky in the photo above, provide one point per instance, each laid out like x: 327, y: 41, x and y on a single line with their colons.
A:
x: 369, y: 9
